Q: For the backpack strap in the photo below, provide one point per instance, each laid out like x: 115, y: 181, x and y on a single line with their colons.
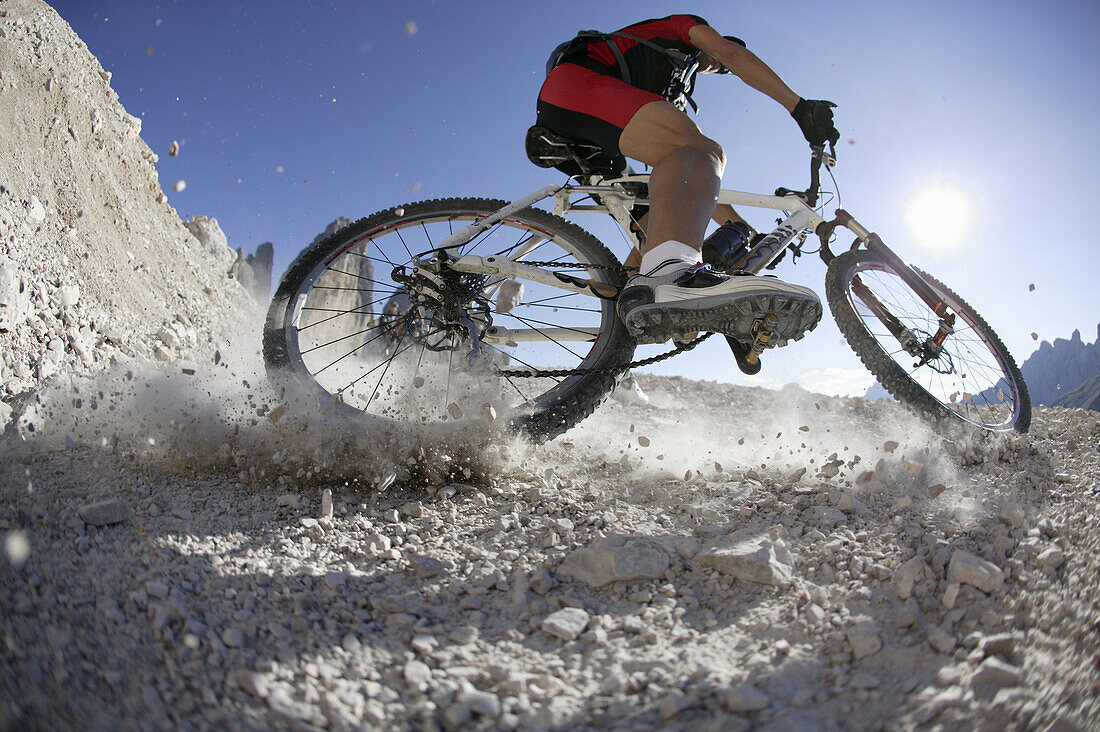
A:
x: 624, y: 71
x: 676, y: 56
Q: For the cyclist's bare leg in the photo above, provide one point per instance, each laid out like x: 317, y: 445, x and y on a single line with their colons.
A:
x: 687, y: 170
x: 683, y: 192
x: 723, y: 213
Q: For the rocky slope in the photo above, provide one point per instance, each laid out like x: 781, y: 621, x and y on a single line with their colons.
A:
x: 95, y: 265
x: 179, y: 549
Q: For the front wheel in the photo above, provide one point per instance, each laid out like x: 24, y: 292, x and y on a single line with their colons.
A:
x: 374, y: 321
x: 969, y: 376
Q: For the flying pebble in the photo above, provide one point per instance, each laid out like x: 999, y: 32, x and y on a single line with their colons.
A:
x: 174, y: 148
x: 179, y: 186
x: 17, y: 548
x: 387, y: 480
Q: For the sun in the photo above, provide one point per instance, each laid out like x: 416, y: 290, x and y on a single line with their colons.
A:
x: 940, y: 216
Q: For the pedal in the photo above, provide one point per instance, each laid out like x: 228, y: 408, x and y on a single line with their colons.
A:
x: 741, y: 353
x: 748, y: 355
x: 685, y: 338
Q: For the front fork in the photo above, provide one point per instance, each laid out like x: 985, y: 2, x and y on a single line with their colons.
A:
x: 925, y: 350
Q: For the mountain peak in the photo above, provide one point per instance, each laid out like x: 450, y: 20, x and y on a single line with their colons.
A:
x: 1055, y: 370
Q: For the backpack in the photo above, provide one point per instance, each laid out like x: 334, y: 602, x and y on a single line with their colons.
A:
x: 580, y: 43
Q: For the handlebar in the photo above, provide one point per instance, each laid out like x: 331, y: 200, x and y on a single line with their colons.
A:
x: 817, y: 157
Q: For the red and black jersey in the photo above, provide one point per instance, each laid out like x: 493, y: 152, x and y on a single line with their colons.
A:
x: 649, y: 69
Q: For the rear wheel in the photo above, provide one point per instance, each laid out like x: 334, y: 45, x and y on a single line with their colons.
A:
x: 372, y: 321
x: 970, y: 377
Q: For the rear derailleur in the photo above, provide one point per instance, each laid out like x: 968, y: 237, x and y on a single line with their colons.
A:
x: 447, y: 309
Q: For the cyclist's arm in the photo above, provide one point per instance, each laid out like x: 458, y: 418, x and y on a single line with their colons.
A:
x: 744, y: 64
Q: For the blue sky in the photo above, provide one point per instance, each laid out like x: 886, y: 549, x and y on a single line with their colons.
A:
x: 290, y: 114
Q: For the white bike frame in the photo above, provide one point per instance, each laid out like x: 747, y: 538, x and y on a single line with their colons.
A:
x: 614, y: 197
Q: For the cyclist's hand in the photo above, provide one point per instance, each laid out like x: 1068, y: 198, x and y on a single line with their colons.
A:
x: 815, y: 117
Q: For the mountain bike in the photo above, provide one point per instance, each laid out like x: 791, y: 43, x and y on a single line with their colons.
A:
x: 465, y: 310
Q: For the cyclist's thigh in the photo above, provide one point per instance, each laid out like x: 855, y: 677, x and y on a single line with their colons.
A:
x: 658, y: 129
x: 584, y: 105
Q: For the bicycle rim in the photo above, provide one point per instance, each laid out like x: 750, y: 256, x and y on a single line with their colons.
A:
x: 973, y: 378
x: 353, y: 330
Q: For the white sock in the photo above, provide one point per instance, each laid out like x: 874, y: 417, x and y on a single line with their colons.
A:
x: 669, y: 257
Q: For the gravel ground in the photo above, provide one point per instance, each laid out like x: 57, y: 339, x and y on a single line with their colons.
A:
x: 182, y: 549
x: 589, y: 582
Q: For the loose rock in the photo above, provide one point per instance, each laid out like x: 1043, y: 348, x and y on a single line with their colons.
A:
x: 966, y: 568
x: 613, y: 562
x: 106, y: 512
x: 566, y: 624
x: 753, y: 556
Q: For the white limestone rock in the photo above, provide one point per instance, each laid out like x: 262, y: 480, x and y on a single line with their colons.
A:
x: 15, y: 296
x: 480, y: 702
x: 940, y: 639
x: 567, y: 623
x: 105, y: 513
x: 745, y: 698
x: 968, y: 569
x: 992, y: 675
x: 36, y: 212
x: 210, y: 235
x: 755, y: 556
x: 612, y: 561
x: 1051, y: 558
x: 864, y: 637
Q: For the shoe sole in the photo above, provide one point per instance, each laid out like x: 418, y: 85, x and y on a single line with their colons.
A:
x: 796, y: 316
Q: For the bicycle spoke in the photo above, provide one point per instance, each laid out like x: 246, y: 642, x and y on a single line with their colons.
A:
x: 349, y: 353
x: 339, y: 313
x: 965, y: 376
x: 363, y: 356
x: 344, y: 338
x: 558, y: 307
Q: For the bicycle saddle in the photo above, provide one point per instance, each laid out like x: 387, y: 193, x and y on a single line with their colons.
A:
x: 548, y: 149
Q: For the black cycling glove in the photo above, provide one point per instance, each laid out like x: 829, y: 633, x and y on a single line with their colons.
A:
x: 815, y: 117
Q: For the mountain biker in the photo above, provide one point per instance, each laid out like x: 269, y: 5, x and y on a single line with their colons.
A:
x: 626, y: 91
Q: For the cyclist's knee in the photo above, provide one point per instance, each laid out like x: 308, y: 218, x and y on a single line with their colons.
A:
x: 714, y: 151
x: 705, y: 151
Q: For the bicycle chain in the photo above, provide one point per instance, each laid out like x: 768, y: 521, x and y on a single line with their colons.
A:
x: 575, y: 265
x: 565, y: 373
